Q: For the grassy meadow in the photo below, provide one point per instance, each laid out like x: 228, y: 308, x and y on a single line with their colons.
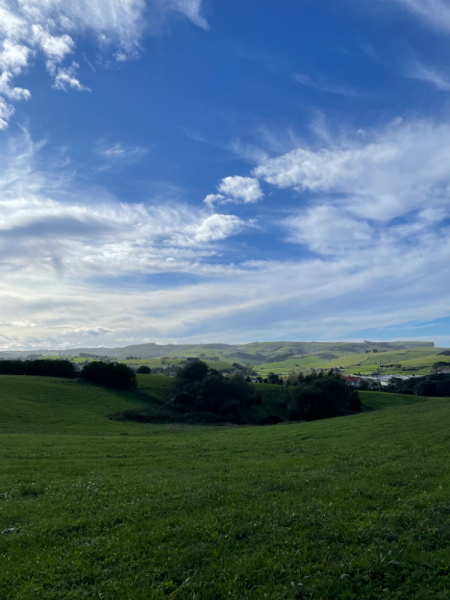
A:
x: 356, y: 507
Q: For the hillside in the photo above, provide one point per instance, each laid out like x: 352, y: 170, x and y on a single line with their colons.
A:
x: 353, y: 507
x: 253, y: 353
x: 417, y: 361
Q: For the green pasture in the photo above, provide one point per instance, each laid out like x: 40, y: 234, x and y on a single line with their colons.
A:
x: 421, y: 358
x: 351, y: 508
x: 291, y: 364
x: 154, y: 363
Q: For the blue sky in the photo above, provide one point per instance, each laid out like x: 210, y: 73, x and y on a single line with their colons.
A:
x: 201, y: 170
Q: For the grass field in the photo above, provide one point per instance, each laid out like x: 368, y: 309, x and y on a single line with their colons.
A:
x: 348, y: 508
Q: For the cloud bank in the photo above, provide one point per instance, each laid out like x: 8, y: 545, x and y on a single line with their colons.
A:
x: 96, y: 274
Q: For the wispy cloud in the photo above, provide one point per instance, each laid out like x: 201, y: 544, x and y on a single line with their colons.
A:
x: 431, y: 75
x: 321, y: 85
x: 434, y: 12
x: 118, y: 153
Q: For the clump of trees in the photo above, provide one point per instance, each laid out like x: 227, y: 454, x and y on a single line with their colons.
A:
x: 436, y: 384
x: 45, y: 367
x: 116, y: 375
x: 197, y: 388
x: 144, y: 370
x: 320, y: 396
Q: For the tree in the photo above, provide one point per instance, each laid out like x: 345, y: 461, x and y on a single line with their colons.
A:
x: 198, y: 389
x: 116, y: 375
x: 144, y: 370
x: 364, y: 384
x: 195, y: 371
x: 273, y: 378
x: 45, y: 367
x: 322, y: 396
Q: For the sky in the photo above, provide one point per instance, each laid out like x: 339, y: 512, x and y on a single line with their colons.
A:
x: 199, y: 171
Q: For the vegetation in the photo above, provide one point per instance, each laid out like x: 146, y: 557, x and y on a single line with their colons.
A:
x: 143, y: 370
x: 337, y: 509
x: 44, y: 367
x: 367, y: 358
x: 319, y: 396
x: 437, y: 384
x: 198, y: 389
x: 116, y: 375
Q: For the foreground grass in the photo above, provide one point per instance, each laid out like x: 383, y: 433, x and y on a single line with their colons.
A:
x: 348, y: 508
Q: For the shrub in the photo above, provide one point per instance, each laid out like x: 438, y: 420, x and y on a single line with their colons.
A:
x: 144, y: 370
x: 116, y: 375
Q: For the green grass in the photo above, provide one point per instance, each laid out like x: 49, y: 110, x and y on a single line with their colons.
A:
x: 47, y: 405
x: 382, y: 400
x: 348, y: 508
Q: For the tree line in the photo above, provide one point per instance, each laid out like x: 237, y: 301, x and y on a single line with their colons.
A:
x: 116, y: 375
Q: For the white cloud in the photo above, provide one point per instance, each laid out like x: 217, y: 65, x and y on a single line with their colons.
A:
x: 210, y: 229
x: 386, y: 175
x: 328, y: 230
x: 13, y: 57
x: 13, y: 93
x: 245, y: 189
x: 6, y: 110
x: 190, y: 8
x: 65, y: 77
x: 50, y: 28
x: 54, y: 47
x: 236, y: 189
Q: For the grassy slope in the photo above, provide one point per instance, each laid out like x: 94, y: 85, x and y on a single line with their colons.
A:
x: 383, y: 400
x: 347, y: 508
x: 47, y: 405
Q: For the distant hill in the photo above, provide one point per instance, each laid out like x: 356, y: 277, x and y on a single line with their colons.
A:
x: 254, y: 353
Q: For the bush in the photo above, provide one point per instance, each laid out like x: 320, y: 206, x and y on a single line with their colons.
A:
x: 116, y: 375
x: 320, y: 397
x: 144, y: 370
